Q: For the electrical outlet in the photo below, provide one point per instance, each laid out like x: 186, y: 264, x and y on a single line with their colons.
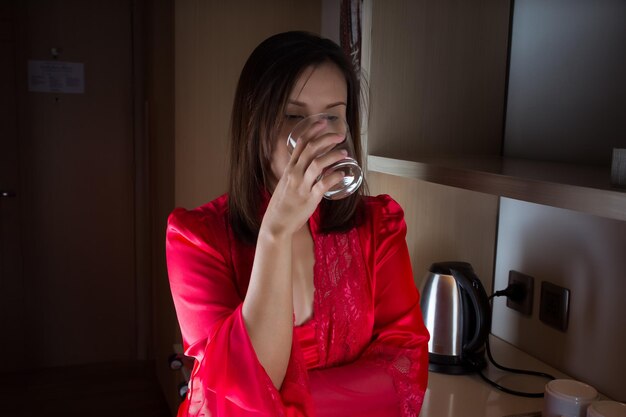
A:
x: 554, y: 306
x: 525, y: 302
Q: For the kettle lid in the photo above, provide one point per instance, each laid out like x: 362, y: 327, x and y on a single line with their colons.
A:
x: 446, y: 268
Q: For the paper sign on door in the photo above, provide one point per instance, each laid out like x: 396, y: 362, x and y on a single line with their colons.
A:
x: 56, y: 77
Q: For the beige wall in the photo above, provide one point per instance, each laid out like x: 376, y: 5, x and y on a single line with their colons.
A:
x: 331, y: 10
x: 585, y: 254
x: 444, y: 224
x: 213, y: 40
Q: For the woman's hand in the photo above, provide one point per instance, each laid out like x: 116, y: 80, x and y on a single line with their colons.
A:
x: 301, y: 187
x: 268, y: 306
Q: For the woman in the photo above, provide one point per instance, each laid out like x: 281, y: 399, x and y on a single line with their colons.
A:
x: 292, y: 304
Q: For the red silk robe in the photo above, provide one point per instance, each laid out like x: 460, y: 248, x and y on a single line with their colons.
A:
x: 364, y: 351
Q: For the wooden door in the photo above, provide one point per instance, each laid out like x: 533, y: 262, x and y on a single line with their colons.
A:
x: 68, y: 281
x: 11, y: 279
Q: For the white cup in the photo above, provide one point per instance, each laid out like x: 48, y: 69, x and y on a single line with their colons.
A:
x: 606, y: 409
x: 567, y: 398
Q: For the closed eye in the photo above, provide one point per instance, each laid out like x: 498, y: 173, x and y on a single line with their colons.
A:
x: 293, y: 117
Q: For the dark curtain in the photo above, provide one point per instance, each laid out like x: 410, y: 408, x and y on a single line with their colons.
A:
x: 350, y: 31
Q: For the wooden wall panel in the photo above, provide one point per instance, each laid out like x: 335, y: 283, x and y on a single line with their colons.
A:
x: 437, y: 77
x: 436, y: 73
x: 213, y: 40
x: 444, y: 223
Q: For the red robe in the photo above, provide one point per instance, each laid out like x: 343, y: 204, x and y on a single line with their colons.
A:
x: 364, y: 352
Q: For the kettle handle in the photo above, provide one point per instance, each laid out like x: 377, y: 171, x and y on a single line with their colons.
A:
x: 480, y: 302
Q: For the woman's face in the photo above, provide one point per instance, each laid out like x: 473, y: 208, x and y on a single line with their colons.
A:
x: 320, y: 89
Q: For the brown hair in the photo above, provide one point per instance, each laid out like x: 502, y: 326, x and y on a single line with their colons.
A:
x: 264, y: 86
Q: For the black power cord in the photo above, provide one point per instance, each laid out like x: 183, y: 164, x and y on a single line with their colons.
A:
x: 515, y: 292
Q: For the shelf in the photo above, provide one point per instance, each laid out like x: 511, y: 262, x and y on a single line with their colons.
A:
x: 585, y: 189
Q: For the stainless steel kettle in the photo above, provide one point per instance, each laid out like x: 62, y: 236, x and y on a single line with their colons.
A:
x: 456, y: 312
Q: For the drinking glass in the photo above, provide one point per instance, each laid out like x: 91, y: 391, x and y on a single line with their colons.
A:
x: 328, y: 124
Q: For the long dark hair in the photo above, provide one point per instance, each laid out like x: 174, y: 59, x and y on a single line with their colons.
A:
x: 264, y: 86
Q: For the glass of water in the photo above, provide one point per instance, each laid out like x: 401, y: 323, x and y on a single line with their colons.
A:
x: 328, y: 124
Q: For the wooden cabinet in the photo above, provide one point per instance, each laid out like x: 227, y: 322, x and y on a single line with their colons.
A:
x: 442, y: 76
x: 437, y: 76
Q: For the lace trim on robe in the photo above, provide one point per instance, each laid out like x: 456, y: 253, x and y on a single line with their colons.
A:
x: 342, y: 298
x: 403, y: 365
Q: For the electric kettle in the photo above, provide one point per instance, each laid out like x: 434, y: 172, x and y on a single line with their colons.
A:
x: 456, y: 312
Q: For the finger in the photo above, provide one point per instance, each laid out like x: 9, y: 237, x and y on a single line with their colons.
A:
x: 306, y: 134
x: 327, y: 182
x: 320, y: 164
x: 317, y: 148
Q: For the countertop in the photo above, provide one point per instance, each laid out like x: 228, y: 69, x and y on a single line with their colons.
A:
x: 470, y: 396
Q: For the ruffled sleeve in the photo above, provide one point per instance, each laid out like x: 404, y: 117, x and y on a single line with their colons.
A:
x: 227, y: 379
x: 400, y: 338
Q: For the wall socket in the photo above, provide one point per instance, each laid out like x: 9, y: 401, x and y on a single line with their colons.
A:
x: 525, y: 304
x: 554, y: 306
